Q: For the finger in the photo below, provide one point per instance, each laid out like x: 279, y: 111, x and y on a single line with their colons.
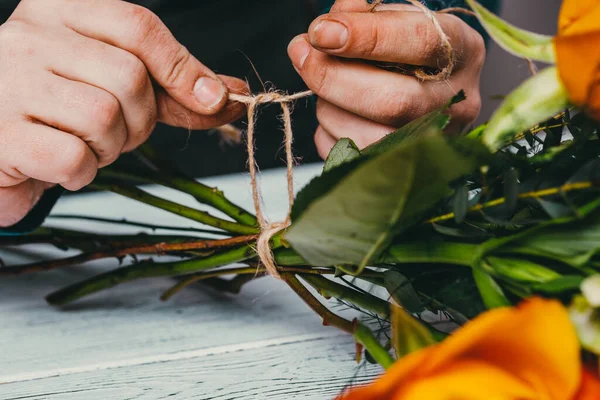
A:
x: 386, y: 97
x: 111, y: 69
x: 138, y: 31
x: 340, y: 123
x: 392, y: 36
x: 47, y: 154
x: 172, y: 113
x: 363, y: 6
x: 85, y: 111
x: 324, y: 142
x: 16, y: 201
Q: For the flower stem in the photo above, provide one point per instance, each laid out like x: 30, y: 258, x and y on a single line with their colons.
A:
x: 566, y: 188
x: 328, y: 288
x: 251, y: 270
x: 329, y: 318
x: 365, y: 337
x: 158, y: 248
x: 147, y: 269
x: 172, y: 207
x: 168, y: 175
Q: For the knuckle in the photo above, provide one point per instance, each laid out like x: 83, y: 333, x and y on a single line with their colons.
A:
x: 137, y: 138
x: 176, y: 67
x: 133, y: 75
x: 320, y: 139
x: 8, y: 180
x: 321, y: 77
x: 105, y: 112
x: 74, y: 160
x: 13, y: 34
x: 472, y: 108
x: 370, y: 42
x: 143, y: 21
x: 395, y: 109
x: 430, y: 44
x: 477, y: 50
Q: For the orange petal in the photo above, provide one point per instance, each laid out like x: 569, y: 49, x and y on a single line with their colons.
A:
x: 590, y: 387
x: 578, y: 59
x: 535, y: 341
x: 384, y: 387
x: 574, y: 10
x: 469, y: 380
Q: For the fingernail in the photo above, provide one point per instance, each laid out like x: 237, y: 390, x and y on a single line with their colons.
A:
x: 209, y: 92
x: 298, y: 51
x: 329, y: 34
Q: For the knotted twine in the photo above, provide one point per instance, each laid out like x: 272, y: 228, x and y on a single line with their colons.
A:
x: 269, y: 229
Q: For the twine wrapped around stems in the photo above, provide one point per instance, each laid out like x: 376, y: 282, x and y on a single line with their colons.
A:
x: 269, y: 229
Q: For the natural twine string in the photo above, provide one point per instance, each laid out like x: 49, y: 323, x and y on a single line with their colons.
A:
x: 269, y: 229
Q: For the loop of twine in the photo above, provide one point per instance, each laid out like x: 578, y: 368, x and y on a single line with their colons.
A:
x: 444, y: 73
x: 268, y: 229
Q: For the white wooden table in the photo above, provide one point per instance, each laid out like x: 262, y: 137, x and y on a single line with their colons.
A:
x: 125, y: 343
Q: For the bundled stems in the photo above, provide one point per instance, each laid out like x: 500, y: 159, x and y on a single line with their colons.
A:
x: 148, y: 269
x: 172, y: 207
x: 169, y: 176
x: 159, y: 248
x: 202, y: 193
x: 328, y: 317
x: 328, y: 288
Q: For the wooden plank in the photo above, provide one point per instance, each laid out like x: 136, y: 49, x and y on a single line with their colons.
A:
x: 308, y: 369
x: 127, y: 329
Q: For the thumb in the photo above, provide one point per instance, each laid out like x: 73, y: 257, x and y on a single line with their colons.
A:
x: 171, y: 112
x: 16, y: 201
x: 351, y: 6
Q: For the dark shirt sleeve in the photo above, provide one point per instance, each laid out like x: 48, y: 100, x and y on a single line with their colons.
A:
x: 36, y: 216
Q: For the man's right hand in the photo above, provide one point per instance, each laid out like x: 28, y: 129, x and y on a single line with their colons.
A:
x: 85, y: 80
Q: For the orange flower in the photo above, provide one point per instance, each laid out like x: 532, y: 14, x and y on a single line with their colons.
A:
x: 528, y: 352
x: 578, y: 53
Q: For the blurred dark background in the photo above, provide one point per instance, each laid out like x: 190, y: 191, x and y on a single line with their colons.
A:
x: 227, y: 34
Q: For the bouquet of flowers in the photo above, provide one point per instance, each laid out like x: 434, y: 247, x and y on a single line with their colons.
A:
x: 497, y: 230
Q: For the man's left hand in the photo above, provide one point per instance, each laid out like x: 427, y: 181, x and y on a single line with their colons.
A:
x: 341, y: 58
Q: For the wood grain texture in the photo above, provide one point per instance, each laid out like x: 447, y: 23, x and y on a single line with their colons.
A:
x: 124, y: 343
x: 307, y: 369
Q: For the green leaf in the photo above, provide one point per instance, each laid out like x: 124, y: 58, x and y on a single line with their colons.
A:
x: 461, y: 204
x: 320, y: 185
x: 555, y: 209
x: 511, y: 189
x: 490, y: 291
x: 401, y: 290
x: 586, y: 320
x: 558, y: 286
x: 431, y: 124
x: 342, y: 152
x: 573, y: 243
x: 516, y: 41
x: 355, y: 220
x: 537, y: 99
x: 521, y: 270
x: 408, y: 334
